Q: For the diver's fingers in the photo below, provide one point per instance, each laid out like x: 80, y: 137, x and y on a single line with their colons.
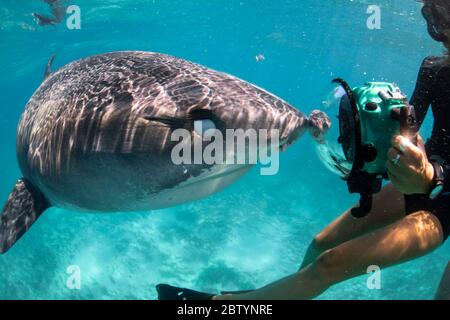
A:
x: 420, y: 143
x: 394, y: 172
x: 390, y: 168
x: 396, y: 161
x: 397, y: 182
x: 404, y: 145
x: 393, y: 154
x: 412, y: 156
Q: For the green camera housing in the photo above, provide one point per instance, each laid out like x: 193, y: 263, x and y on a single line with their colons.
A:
x: 369, y: 117
x: 381, y: 108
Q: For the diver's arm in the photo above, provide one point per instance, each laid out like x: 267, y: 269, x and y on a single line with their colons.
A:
x: 421, y: 98
x: 447, y: 178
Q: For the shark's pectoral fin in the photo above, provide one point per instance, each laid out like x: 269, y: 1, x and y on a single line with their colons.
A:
x: 25, y: 204
x: 48, y: 69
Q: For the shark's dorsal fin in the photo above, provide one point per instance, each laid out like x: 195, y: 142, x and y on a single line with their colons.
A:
x: 48, y: 69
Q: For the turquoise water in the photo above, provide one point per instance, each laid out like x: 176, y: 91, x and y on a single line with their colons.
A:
x: 257, y: 230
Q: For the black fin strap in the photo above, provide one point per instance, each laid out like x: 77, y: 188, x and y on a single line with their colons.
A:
x: 365, y: 205
x: 167, y: 292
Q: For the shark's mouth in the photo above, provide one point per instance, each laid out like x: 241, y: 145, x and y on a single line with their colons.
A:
x: 194, y: 188
x: 224, y: 171
x: 294, y: 136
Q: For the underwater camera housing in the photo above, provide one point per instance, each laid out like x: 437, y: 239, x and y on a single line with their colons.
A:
x: 369, y: 117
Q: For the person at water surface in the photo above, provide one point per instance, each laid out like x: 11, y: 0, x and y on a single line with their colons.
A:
x: 409, y: 218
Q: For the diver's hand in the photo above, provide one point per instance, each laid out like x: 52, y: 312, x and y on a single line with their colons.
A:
x: 319, y: 124
x: 408, y: 167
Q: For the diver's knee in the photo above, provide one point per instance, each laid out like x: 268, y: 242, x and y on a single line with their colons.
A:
x: 321, y: 242
x: 318, y: 245
x: 327, y: 264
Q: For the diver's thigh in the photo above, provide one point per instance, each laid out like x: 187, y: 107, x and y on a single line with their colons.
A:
x: 408, y: 238
x: 388, y: 207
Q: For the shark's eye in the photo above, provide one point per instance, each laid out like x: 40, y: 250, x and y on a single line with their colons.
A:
x: 205, y: 128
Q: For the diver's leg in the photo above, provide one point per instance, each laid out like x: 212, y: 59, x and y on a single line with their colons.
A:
x: 388, y: 207
x: 411, y: 237
x: 443, y: 292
